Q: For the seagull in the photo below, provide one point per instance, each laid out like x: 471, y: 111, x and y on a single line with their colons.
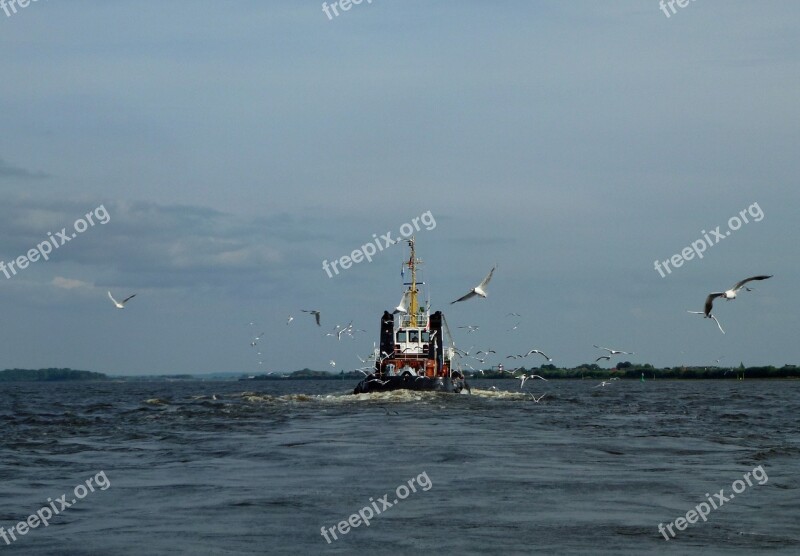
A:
x: 402, y: 307
x: 118, y: 304
x: 727, y: 295
x: 513, y: 315
x: 540, y: 353
x: 470, y: 328
x: 513, y: 327
x: 537, y: 400
x: 290, y: 319
x: 615, y: 351
x: 315, y: 313
x: 464, y: 353
x: 731, y: 293
x: 347, y: 329
x: 332, y: 363
x: 480, y: 289
x: 539, y: 377
x: 485, y: 351
x: 606, y: 357
x: 522, y: 379
x: 604, y: 383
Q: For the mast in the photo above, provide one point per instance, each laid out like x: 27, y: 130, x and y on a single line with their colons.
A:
x: 413, y: 306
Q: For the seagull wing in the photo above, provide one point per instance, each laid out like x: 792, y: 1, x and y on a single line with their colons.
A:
x: 718, y: 324
x: 316, y: 317
x: 488, y: 278
x: 112, y: 298
x: 710, y: 301
x: 601, y: 347
x: 602, y: 357
x: 739, y: 285
x: 464, y: 297
x: 124, y: 301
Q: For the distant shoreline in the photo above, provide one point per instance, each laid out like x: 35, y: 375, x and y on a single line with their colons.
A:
x: 546, y: 371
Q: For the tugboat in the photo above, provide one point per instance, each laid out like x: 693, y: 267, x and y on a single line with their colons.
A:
x: 413, y: 354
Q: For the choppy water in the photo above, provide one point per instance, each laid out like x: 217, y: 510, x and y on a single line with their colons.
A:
x: 263, y: 467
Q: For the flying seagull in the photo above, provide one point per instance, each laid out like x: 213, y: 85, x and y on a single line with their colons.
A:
x: 615, y: 351
x: 118, y: 304
x: 290, y: 319
x: 540, y: 353
x: 402, y: 307
x: 315, y: 313
x: 480, y: 289
x: 727, y: 295
x: 537, y: 400
x: 731, y: 293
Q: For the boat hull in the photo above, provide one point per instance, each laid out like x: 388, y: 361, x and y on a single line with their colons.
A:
x: 420, y: 383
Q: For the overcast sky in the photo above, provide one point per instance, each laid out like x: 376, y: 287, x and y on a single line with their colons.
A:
x: 234, y: 146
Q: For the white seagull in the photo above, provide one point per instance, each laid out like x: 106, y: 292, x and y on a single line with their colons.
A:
x: 615, y: 351
x: 480, y: 289
x: 402, y: 307
x: 290, y: 319
x: 731, y: 293
x: 727, y: 295
x: 540, y: 353
x: 537, y: 400
x: 118, y: 304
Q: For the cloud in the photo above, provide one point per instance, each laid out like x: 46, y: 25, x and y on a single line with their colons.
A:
x: 9, y: 171
x: 144, y: 244
x: 69, y: 283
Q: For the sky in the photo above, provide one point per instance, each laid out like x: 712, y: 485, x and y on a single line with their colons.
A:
x: 226, y: 149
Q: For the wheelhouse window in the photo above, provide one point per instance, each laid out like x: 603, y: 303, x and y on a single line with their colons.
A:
x: 401, y: 336
x: 413, y: 336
